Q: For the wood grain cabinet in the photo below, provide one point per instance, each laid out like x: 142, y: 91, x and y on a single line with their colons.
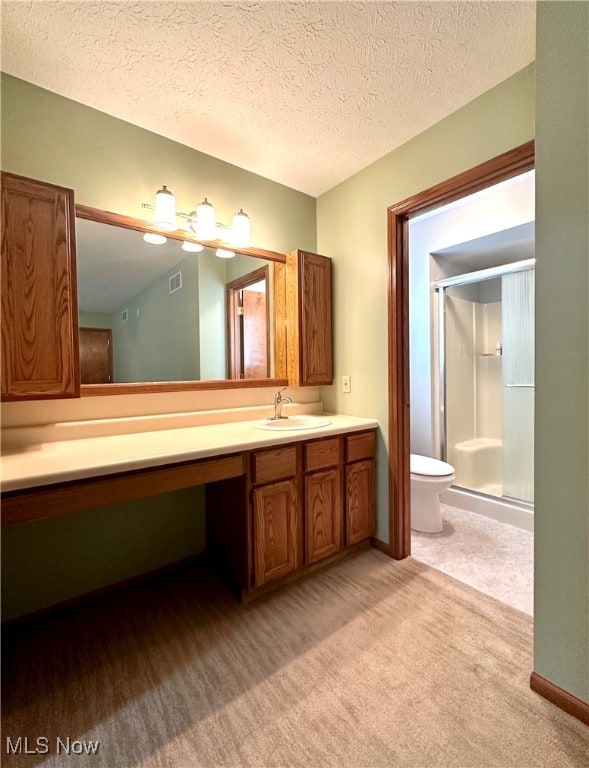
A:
x: 324, y: 518
x: 40, y: 353
x: 309, y: 323
x: 277, y: 520
x: 310, y: 501
x: 360, y: 487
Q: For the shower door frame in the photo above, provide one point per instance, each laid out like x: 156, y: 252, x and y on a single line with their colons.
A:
x: 467, y: 278
x: 505, y: 166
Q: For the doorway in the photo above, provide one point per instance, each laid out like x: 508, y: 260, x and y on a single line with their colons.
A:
x: 96, y: 355
x: 498, y: 169
x: 248, y: 316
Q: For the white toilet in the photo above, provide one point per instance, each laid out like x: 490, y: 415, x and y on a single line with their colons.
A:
x: 429, y: 477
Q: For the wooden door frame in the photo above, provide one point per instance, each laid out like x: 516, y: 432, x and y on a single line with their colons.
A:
x: 512, y: 163
x: 233, y: 287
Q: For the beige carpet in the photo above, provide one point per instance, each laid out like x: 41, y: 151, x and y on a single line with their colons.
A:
x: 371, y: 662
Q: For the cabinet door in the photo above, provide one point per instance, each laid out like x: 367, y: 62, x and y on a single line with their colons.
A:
x: 308, y: 310
x: 323, y: 514
x: 40, y: 354
x: 360, y: 501
x: 276, y: 520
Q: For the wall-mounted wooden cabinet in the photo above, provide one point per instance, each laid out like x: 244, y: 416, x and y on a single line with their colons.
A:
x: 40, y: 352
x: 308, y: 311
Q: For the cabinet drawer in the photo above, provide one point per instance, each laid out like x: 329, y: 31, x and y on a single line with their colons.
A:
x: 275, y: 464
x: 322, y: 454
x: 361, y: 446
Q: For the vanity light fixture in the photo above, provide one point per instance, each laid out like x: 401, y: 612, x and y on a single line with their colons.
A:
x: 201, y: 221
x: 223, y: 253
x: 154, y: 239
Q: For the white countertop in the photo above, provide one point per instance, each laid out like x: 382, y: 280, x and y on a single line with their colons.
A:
x: 57, y: 462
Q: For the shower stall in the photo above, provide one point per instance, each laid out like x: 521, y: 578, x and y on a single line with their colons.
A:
x: 486, y: 381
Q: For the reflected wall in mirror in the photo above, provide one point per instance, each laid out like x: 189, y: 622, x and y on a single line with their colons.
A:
x: 162, y: 314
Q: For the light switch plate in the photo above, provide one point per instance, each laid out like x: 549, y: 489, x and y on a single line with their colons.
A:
x: 346, y: 383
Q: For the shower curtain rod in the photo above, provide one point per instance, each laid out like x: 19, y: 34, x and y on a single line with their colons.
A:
x: 485, y: 274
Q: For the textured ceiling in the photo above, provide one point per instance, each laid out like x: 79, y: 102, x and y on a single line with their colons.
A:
x: 304, y: 93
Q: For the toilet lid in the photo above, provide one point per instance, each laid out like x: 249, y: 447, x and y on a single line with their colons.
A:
x: 424, y: 465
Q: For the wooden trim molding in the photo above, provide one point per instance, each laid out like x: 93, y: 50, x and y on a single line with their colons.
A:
x: 381, y: 545
x: 560, y: 698
x: 512, y: 163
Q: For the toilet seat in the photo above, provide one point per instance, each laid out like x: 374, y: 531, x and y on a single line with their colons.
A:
x: 424, y: 465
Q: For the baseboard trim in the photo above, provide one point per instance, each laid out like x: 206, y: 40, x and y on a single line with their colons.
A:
x: 560, y: 698
x: 381, y: 545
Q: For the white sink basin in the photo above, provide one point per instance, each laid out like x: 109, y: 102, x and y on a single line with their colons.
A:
x: 292, y: 422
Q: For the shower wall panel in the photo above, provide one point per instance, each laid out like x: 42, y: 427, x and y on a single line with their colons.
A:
x: 489, y: 383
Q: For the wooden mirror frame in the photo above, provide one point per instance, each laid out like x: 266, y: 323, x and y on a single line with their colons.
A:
x: 135, y: 388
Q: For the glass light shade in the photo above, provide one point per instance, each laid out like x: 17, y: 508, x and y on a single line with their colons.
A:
x: 222, y: 253
x: 192, y: 247
x: 206, y: 227
x: 165, y: 210
x: 151, y: 237
x: 241, y: 229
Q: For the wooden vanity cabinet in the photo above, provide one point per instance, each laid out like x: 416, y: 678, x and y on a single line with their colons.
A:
x: 310, y: 501
x: 40, y: 352
x: 324, y: 517
x: 277, y: 519
x: 309, y: 323
x: 360, y: 487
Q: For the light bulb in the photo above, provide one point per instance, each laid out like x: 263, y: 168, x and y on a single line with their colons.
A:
x: 223, y: 253
x: 165, y: 210
x: 206, y: 227
x: 241, y: 229
x: 187, y: 245
x: 151, y: 237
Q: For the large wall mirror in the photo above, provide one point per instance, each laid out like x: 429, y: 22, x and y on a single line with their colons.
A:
x: 158, y: 314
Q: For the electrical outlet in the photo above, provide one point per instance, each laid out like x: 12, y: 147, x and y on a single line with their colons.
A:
x: 346, y: 383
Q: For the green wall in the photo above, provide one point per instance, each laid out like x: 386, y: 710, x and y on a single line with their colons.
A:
x: 160, y: 339
x: 116, y: 166
x: 352, y: 229
x: 561, y: 600
x: 52, y: 560
x: 95, y: 320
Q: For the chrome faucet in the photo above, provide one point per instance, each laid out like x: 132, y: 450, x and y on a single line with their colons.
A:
x: 279, y: 401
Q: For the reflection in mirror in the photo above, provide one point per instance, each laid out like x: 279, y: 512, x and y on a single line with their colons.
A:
x: 156, y: 313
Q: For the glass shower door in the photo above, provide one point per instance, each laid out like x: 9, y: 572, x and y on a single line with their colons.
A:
x: 518, y: 383
x: 486, y: 368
